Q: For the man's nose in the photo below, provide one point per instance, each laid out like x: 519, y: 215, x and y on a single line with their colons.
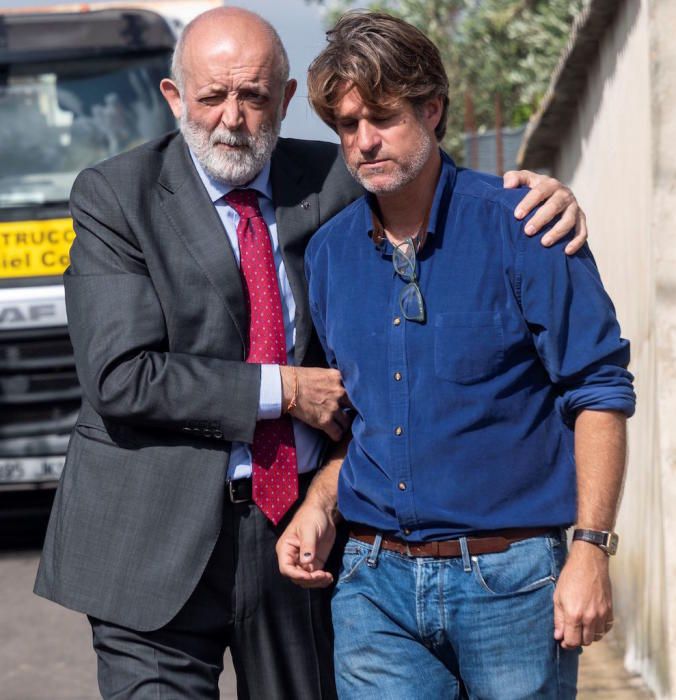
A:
x: 232, y: 116
x: 368, y: 138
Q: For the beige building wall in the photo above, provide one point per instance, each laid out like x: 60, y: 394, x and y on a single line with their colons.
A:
x: 611, y: 157
x: 663, y: 226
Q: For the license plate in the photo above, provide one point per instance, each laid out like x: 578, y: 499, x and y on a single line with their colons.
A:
x: 35, y: 248
x: 30, y: 469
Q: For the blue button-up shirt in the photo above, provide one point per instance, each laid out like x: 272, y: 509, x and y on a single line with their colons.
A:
x: 464, y: 423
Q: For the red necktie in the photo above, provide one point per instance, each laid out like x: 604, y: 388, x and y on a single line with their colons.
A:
x: 275, y: 470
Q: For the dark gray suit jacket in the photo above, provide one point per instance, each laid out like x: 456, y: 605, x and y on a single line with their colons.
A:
x: 158, y: 322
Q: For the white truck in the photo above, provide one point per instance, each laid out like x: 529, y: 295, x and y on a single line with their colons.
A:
x: 75, y: 88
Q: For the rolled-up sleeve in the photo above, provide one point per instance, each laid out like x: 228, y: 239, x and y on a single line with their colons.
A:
x: 574, y: 328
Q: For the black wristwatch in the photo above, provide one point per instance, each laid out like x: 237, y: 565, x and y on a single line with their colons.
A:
x: 603, y: 539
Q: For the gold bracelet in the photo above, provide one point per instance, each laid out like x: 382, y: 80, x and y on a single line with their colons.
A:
x: 294, y: 397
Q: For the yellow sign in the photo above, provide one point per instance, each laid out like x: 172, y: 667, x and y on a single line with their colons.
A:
x: 35, y: 248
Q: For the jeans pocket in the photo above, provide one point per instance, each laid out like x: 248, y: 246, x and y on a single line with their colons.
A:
x: 354, y: 555
x: 526, y: 566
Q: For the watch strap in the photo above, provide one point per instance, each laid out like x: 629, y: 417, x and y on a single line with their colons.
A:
x: 605, y: 539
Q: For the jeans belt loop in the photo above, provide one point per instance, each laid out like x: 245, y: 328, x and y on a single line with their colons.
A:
x: 372, y: 559
x: 466, y: 561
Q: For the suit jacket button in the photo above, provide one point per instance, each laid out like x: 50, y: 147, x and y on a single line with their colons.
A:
x: 218, y: 434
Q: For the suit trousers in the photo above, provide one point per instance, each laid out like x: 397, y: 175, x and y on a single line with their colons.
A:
x: 279, y: 634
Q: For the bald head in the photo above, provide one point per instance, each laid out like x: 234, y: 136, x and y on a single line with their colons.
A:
x: 227, y: 27
x: 230, y: 92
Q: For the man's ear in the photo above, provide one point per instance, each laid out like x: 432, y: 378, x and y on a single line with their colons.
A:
x: 289, y: 92
x: 172, y: 95
x: 432, y: 111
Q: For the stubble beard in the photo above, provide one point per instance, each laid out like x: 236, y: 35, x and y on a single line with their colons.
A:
x: 406, y: 170
x: 232, y: 167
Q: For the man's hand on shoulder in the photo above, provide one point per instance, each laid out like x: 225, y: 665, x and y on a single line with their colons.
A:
x: 583, y: 606
x: 556, y: 199
x: 320, y: 398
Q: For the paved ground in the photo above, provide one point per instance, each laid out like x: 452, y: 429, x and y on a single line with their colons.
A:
x: 603, y: 677
x: 45, y: 651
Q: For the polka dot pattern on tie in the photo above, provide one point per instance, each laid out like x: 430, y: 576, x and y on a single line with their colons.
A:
x: 275, y: 470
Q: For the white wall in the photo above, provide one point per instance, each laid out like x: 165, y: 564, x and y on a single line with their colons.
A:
x: 608, y: 158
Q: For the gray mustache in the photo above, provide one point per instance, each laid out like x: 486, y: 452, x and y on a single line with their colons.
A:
x: 230, y: 139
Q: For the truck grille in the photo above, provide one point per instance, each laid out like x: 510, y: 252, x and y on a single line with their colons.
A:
x: 39, y: 391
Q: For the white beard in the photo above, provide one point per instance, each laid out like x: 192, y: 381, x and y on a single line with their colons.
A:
x: 232, y: 167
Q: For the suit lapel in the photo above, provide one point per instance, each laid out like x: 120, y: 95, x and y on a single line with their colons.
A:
x: 196, y: 223
x: 297, y: 216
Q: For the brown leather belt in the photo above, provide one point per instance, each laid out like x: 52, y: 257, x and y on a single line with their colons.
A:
x: 495, y: 541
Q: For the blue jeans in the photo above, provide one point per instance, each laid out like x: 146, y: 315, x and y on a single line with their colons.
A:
x: 466, y: 627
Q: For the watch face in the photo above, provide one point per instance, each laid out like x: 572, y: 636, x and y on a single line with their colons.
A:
x: 611, y: 544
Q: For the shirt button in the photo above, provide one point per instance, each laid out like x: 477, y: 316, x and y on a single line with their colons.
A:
x: 407, y: 531
x: 396, y: 321
x: 397, y: 376
x: 398, y: 430
x: 402, y: 486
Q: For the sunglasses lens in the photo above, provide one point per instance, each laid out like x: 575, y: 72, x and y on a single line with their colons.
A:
x: 403, y: 259
x: 411, y: 303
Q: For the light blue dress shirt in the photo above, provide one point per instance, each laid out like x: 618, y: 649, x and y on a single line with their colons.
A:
x: 308, y: 441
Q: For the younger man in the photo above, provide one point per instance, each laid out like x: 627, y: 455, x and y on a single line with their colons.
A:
x: 490, y: 389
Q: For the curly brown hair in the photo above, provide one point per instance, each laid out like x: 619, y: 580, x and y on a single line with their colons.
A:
x: 386, y: 59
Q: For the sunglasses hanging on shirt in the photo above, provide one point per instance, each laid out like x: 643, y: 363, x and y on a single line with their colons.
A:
x: 405, y: 264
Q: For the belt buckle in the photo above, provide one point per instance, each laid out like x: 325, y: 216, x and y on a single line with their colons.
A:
x: 231, y: 493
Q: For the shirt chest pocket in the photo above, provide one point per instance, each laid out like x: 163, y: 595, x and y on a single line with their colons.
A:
x: 468, y: 345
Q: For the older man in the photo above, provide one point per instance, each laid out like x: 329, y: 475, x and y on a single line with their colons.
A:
x: 204, y: 410
x: 486, y: 387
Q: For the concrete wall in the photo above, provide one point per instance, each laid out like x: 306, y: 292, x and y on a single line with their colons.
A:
x: 663, y: 225
x: 614, y: 156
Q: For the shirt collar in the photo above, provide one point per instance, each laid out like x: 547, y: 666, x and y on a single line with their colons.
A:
x: 442, y: 196
x: 217, y: 188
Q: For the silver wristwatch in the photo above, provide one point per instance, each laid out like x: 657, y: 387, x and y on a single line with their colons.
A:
x: 603, y: 539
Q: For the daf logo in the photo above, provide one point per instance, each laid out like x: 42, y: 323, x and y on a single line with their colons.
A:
x: 33, y: 312
x: 36, y: 312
